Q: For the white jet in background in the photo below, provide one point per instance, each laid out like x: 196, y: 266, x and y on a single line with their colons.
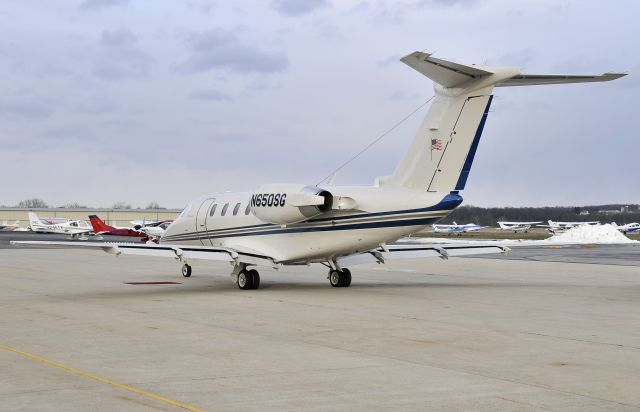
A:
x: 516, y: 226
x: 339, y: 226
x: 628, y: 228
x: 73, y: 228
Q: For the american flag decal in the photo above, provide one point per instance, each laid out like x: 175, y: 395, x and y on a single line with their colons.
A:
x: 436, y: 144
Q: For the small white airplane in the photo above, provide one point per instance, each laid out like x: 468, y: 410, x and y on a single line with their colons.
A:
x: 516, y: 226
x: 73, y: 228
x: 561, y: 227
x: 628, y: 228
x: 6, y: 226
x: 155, y: 230
x: 455, y: 228
x: 340, y: 226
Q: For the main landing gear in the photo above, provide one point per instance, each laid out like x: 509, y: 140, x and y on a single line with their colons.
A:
x: 248, y: 279
x: 186, y: 270
x: 340, y: 278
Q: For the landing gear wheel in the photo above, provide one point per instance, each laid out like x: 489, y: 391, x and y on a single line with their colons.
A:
x: 340, y: 278
x: 186, y: 270
x: 346, y: 278
x: 335, y: 278
x: 245, y: 281
x: 255, y: 278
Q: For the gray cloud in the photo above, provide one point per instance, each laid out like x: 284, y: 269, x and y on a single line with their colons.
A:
x: 101, y: 4
x: 95, y: 105
x: 203, y: 6
x: 220, y: 49
x: 297, y: 7
x: 120, y: 58
x: 31, y: 109
x: 210, y: 95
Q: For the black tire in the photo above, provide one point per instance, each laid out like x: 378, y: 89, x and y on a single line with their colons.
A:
x: 186, y: 270
x: 335, y: 278
x: 346, y: 278
x: 255, y: 278
x: 245, y: 280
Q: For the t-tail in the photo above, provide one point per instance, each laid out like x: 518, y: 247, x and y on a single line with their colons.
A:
x: 440, y: 157
x: 98, y: 225
x: 33, y: 219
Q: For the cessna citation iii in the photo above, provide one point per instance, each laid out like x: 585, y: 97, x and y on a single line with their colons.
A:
x: 341, y: 226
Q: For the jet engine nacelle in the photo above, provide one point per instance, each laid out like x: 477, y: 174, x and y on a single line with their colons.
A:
x: 286, y: 204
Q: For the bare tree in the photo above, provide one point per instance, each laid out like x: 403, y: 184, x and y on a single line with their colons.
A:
x: 121, y: 205
x: 74, y: 205
x: 32, y: 203
x: 154, y: 205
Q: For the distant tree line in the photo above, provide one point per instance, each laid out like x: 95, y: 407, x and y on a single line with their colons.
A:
x: 488, y: 216
x: 37, y: 203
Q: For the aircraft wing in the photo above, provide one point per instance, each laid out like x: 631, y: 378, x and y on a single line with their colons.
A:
x: 412, y: 250
x: 179, y: 252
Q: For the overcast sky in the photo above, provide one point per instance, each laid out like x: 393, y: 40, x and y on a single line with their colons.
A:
x: 143, y: 100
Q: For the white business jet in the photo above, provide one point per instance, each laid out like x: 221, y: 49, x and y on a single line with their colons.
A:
x: 73, y: 228
x: 341, y: 226
x: 516, y: 226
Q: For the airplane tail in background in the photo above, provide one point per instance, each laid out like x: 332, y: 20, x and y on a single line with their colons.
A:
x: 440, y: 157
x: 33, y: 219
x: 98, y: 225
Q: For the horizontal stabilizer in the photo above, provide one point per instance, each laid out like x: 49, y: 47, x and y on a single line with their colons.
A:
x: 538, y: 79
x: 449, y: 74
x: 446, y: 73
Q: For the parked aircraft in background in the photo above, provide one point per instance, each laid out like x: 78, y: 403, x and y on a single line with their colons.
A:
x: 5, y: 225
x: 101, y: 228
x: 74, y: 228
x: 155, y: 230
x: 455, y: 228
x: 516, y: 226
x: 628, y: 228
x: 137, y: 224
x: 560, y: 227
x: 340, y: 226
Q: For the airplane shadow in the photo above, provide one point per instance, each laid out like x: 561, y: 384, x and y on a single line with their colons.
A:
x: 225, y: 287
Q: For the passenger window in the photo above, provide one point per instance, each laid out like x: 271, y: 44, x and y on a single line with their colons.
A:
x: 248, y: 209
x: 213, y: 209
x: 235, y: 209
x: 224, y: 209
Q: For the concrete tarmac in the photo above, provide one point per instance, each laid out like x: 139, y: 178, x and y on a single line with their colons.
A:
x: 463, y: 334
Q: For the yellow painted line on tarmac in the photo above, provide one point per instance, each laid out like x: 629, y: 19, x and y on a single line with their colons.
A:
x: 100, y: 379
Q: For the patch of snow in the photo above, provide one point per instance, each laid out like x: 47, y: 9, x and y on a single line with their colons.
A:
x: 591, y: 234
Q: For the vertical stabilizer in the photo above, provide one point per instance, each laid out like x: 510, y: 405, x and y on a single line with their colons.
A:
x: 441, y: 155
x: 33, y: 219
x: 98, y: 225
